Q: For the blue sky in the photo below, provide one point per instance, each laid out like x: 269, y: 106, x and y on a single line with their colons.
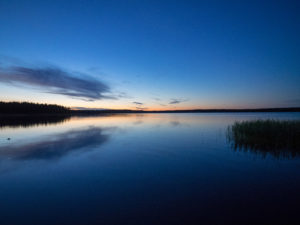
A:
x: 151, y: 54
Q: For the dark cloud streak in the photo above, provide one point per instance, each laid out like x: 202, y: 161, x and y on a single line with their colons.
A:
x: 138, y: 103
x: 56, y: 81
x: 141, y: 108
x: 177, y: 101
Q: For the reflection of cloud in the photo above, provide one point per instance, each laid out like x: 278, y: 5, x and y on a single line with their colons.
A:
x: 175, y: 123
x: 177, y: 101
x: 56, y: 81
x: 138, y: 122
x: 56, y: 146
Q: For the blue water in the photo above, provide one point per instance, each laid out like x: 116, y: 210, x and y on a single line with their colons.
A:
x: 143, y: 169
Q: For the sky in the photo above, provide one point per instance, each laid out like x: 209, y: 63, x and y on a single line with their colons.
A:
x: 151, y: 54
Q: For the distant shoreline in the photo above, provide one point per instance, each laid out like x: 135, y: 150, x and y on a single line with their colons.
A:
x: 294, y: 109
x: 31, y: 114
x: 105, y: 112
x: 26, y: 108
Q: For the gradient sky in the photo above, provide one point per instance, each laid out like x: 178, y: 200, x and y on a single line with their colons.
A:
x: 151, y: 54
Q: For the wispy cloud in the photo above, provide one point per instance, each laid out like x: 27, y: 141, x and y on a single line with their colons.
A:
x: 86, y: 108
x: 141, y: 108
x: 138, y: 103
x: 177, y: 101
x: 56, y: 81
x: 122, y: 95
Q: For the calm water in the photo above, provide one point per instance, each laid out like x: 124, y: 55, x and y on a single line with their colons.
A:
x: 143, y: 169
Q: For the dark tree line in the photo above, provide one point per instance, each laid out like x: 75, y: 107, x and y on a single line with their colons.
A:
x: 32, y: 120
x: 31, y: 108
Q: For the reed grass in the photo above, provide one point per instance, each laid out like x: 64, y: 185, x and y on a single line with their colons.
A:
x: 275, y: 137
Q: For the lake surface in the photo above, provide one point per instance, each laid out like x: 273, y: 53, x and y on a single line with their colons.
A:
x: 143, y: 169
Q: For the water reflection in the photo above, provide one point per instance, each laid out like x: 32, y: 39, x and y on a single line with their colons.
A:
x: 56, y: 146
x: 84, y: 171
x: 29, y: 121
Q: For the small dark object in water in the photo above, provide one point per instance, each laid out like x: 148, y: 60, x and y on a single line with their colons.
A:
x: 8, y: 139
